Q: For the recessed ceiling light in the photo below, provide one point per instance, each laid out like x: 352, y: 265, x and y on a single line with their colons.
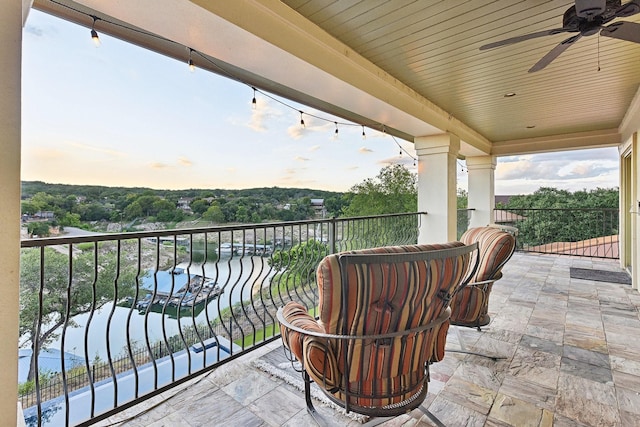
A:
x: 509, y: 94
x: 531, y: 126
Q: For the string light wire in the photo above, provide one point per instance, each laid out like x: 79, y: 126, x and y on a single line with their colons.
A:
x: 222, y: 70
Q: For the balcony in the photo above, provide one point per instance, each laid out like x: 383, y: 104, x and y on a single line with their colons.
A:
x: 184, y: 343
x: 569, y: 362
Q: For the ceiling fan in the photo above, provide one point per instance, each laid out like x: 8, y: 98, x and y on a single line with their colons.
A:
x: 586, y: 17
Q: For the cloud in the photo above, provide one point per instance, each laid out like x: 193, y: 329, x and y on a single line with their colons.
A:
x: 533, y: 168
x: 88, y: 147
x: 36, y: 31
x: 569, y: 170
x: 261, y: 114
x: 365, y: 150
x: 397, y: 160
x: 185, y: 162
x: 296, y: 131
x: 302, y: 159
x: 44, y: 154
x: 314, y: 148
x: 311, y: 125
x: 158, y: 165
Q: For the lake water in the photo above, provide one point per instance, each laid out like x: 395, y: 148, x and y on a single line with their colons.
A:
x: 234, y: 275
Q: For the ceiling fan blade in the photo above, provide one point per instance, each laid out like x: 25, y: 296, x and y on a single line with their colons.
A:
x: 628, y: 9
x: 523, y: 37
x: 629, y: 31
x: 554, y: 53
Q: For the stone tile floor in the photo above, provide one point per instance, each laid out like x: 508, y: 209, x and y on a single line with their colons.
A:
x: 573, y: 359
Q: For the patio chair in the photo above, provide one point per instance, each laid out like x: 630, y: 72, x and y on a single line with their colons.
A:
x: 380, y: 313
x: 496, y: 245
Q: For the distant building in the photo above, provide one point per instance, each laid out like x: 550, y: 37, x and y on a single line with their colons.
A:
x: 504, y: 200
x: 43, y: 216
x: 318, y: 207
x: 184, y: 203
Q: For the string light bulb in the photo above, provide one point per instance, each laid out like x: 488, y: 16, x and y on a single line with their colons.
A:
x: 301, y: 120
x: 190, y: 61
x: 335, y: 134
x: 364, y: 135
x: 253, y: 101
x: 94, y: 33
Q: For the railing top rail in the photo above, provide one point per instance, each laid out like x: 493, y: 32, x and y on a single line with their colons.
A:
x: 557, y: 209
x: 100, y: 237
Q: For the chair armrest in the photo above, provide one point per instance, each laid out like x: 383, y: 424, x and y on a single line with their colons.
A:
x: 484, y: 282
x: 295, y: 324
x: 439, y: 320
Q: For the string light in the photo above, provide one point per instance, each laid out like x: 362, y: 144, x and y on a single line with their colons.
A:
x: 225, y: 72
x: 402, y: 150
x: 94, y: 33
x: 190, y: 62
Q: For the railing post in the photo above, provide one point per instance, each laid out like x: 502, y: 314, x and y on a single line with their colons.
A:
x: 332, y: 235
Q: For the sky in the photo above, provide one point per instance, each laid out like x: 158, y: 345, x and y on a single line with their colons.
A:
x: 119, y: 115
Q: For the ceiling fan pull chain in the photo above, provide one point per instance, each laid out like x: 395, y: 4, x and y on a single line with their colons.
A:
x: 598, y: 52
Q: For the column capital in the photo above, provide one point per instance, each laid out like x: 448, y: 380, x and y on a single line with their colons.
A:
x: 481, y: 162
x: 437, y: 144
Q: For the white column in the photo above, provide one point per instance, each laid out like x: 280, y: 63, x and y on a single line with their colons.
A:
x: 481, y: 196
x: 437, y: 157
x: 10, y: 81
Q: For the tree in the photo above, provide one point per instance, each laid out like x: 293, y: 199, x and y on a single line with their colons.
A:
x: 38, y: 229
x: 64, y: 297
x: 297, y: 266
x: 199, y: 206
x: 394, y: 190
x: 554, y: 215
x: 214, y: 214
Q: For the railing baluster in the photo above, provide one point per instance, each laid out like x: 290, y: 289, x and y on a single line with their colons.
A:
x: 253, y: 286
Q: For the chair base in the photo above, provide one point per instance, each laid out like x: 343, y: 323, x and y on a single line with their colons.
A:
x: 464, y: 347
x: 373, y: 421
x: 481, y: 321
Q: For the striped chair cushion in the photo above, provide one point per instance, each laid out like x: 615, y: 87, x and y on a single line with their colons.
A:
x: 382, y: 299
x: 471, y: 305
x: 495, y: 249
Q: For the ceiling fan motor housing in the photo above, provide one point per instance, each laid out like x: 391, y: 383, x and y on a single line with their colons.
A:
x: 590, y: 8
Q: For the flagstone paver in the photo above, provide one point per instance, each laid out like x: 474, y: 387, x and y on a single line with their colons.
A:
x: 572, y: 360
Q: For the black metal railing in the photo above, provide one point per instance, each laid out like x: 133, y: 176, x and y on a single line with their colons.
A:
x: 109, y: 320
x: 588, y: 232
x: 463, y: 217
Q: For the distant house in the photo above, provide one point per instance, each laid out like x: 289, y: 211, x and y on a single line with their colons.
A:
x: 43, y: 215
x: 504, y: 200
x: 184, y: 203
x: 318, y: 207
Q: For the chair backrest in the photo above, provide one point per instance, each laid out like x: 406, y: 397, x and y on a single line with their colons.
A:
x: 381, y: 291
x: 495, y: 248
